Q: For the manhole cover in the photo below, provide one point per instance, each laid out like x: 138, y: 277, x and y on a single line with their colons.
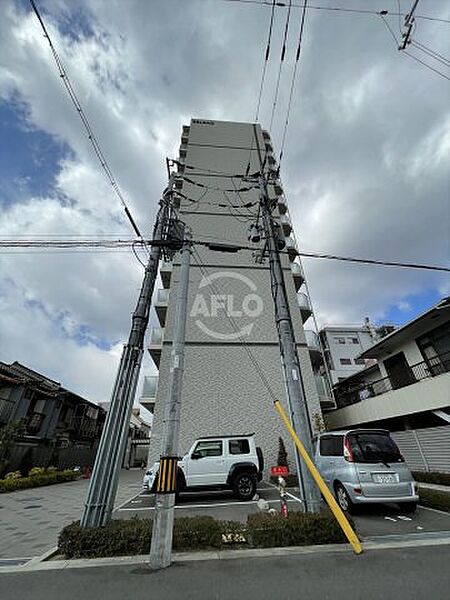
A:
x: 33, y: 506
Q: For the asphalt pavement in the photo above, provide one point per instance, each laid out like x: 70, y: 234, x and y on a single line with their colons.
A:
x: 384, y: 574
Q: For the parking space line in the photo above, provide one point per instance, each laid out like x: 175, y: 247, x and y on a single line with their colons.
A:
x: 126, y: 502
x: 214, y: 505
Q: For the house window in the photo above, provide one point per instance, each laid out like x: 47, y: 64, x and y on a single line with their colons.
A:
x: 345, y: 361
x: 353, y: 340
x: 359, y: 361
x: 340, y: 340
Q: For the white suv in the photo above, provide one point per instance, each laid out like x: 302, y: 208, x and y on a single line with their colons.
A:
x: 219, y: 462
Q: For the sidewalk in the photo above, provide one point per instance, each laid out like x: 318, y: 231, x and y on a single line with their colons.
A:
x: 406, y: 573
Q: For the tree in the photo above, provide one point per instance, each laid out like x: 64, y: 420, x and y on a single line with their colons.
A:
x: 282, y: 454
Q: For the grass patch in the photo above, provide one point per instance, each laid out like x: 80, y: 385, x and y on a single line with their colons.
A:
x: 435, y: 499
x: 432, y: 477
x: 133, y: 537
x: 38, y: 478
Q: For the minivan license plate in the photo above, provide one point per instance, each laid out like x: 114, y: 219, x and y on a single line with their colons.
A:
x: 385, y: 477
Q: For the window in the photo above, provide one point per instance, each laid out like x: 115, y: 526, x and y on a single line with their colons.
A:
x: 345, y: 361
x: 359, y: 361
x: 332, y: 445
x: 374, y: 447
x: 340, y: 340
x: 209, y: 448
x: 239, y: 447
x: 353, y: 340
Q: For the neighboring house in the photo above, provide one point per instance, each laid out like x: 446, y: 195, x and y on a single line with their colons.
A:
x: 407, y: 390
x: 138, y: 438
x: 59, y: 427
x: 230, y: 306
x: 343, y: 346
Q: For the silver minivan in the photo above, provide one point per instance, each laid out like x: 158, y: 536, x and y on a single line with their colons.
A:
x: 363, y: 466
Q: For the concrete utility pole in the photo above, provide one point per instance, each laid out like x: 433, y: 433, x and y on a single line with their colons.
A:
x: 105, y: 475
x: 289, y: 357
x: 161, y: 545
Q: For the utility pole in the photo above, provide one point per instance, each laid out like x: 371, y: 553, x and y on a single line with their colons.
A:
x: 161, y: 545
x: 105, y: 475
x: 289, y: 357
x: 408, y: 25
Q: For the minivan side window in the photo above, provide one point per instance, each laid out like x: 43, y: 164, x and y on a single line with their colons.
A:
x: 332, y: 445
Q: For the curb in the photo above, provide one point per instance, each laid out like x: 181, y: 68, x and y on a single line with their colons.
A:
x: 407, y: 541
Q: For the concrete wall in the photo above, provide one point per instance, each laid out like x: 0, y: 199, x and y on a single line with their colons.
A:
x: 428, y: 394
x: 348, y: 350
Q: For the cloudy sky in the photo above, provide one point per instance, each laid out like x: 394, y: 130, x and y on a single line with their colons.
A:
x: 366, y: 165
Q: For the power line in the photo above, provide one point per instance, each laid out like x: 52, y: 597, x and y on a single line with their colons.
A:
x: 416, y: 43
x: 266, y: 60
x: 361, y: 11
x: 119, y: 243
x: 283, y: 53
x: 294, y: 74
x: 444, y: 61
x: 90, y: 133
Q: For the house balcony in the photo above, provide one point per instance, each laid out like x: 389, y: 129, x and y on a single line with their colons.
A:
x: 161, y: 304
x: 291, y: 248
x: 34, y: 423
x: 286, y: 224
x: 298, y: 275
x: 315, y: 352
x: 304, y: 305
x: 324, y: 392
x: 155, y: 344
x: 165, y: 272
x: 149, y: 389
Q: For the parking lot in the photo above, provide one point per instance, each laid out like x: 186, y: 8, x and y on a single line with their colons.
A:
x: 371, y: 521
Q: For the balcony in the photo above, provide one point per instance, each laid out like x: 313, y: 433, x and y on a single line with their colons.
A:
x: 84, y: 426
x: 304, y: 305
x: 291, y: 248
x: 315, y: 352
x: 161, y: 304
x: 358, y: 391
x: 266, y: 135
x: 298, y: 275
x: 34, y: 423
x: 149, y: 389
x: 286, y: 224
x: 165, y: 272
x: 324, y: 392
x: 6, y: 408
x: 282, y: 206
x: 155, y: 344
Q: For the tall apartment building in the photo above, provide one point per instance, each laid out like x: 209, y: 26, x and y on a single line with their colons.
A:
x: 229, y: 299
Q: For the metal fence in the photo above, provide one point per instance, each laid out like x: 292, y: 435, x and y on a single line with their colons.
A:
x: 361, y: 390
x: 425, y: 449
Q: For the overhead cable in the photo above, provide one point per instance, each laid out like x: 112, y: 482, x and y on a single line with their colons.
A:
x: 266, y: 60
x: 90, y: 133
x: 283, y: 54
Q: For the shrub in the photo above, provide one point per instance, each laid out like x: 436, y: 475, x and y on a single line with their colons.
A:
x: 435, y: 499
x: 11, y: 484
x: 13, y: 475
x: 433, y: 477
x: 298, y: 529
x: 36, y: 471
x: 121, y: 537
x: 51, y: 469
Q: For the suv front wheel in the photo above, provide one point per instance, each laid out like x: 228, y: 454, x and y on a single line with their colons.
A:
x: 244, y: 486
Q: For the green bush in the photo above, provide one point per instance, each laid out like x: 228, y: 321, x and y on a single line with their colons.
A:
x: 433, y: 477
x: 13, y: 475
x: 298, y: 529
x: 36, y: 471
x: 10, y: 484
x: 127, y: 538
x: 435, y: 499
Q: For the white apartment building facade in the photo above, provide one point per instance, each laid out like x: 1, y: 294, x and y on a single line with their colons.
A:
x: 229, y: 299
x: 406, y: 390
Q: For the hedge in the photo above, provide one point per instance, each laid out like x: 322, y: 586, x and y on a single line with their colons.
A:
x: 435, y: 499
x: 11, y: 484
x: 298, y: 529
x: 131, y: 537
x: 432, y: 477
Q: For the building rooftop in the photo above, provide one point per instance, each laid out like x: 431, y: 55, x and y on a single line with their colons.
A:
x: 432, y: 317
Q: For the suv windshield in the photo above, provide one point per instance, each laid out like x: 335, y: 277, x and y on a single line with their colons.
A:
x: 374, y: 447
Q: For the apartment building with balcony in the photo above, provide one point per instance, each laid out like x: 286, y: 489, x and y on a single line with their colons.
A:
x: 406, y: 389
x: 58, y: 426
x: 230, y: 308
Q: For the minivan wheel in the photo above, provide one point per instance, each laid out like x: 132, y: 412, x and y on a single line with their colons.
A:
x: 343, y: 499
x: 408, y: 507
x: 244, y: 486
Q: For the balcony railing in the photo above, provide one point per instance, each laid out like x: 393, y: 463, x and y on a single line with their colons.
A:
x: 149, y: 390
x: 34, y: 423
x: 299, y: 276
x: 165, y: 272
x: 155, y: 344
x: 304, y: 305
x: 291, y: 248
x: 286, y: 224
x: 84, y: 426
x: 312, y: 339
x: 357, y: 392
x: 161, y: 304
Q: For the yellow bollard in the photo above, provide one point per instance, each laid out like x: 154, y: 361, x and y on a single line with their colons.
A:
x: 334, y: 506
